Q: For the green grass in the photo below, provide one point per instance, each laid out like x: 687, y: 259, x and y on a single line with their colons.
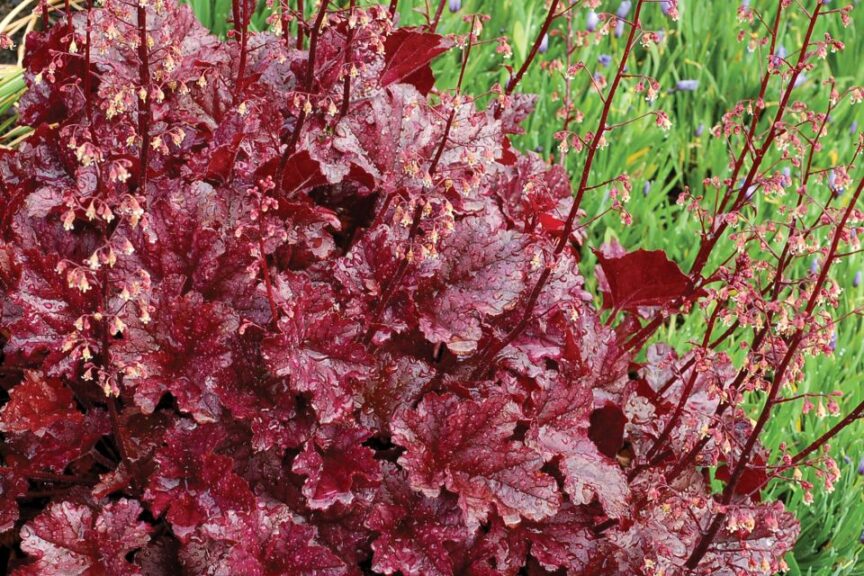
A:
x: 701, y: 46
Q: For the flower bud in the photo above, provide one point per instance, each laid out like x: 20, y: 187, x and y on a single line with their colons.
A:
x: 687, y: 85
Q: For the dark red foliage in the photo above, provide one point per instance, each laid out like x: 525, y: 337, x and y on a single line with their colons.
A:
x: 242, y: 342
x: 641, y: 278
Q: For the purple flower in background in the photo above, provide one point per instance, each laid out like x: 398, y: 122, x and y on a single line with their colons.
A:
x: 623, y: 9
x: 646, y: 189
x: 455, y: 5
x: 861, y: 467
x: 801, y: 79
x: 787, y: 176
x: 619, y: 28
x: 666, y: 6
x: 832, y: 344
x: 591, y: 21
x: 861, y: 538
x: 779, y: 54
x: 745, y: 4
x: 604, y: 59
x: 700, y: 129
x: 856, y: 281
x: 544, y: 44
x: 687, y: 85
x: 814, y: 265
x: 750, y: 189
x: 832, y: 183
x: 853, y: 128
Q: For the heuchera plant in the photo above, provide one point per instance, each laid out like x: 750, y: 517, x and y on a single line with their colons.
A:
x: 274, y: 305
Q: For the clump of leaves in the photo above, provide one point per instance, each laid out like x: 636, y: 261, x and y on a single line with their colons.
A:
x: 278, y: 310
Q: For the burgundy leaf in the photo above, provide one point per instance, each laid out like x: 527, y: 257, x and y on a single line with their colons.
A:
x: 464, y: 446
x: 642, y: 278
x: 336, y: 465
x: 69, y: 538
x: 408, y: 53
x: 37, y: 404
x: 12, y: 486
x: 415, y: 530
x: 317, y: 347
x: 482, y: 275
x: 559, y: 428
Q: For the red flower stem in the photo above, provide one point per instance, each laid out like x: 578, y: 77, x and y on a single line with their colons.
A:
x: 855, y: 414
x: 119, y: 431
x: 795, y: 342
x: 243, y: 13
x: 265, y: 272
x: 286, y: 30
x: 346, y: 86
x: 143, y: 106
x: 550, y: 16
x: 88, y: 90
x: 433, y: 26
x: 394, y: 4
x: 43, y: 4
x: 494, y: 348
x: 313, y: 46
x: 307, y: 89
x: 301, y: 24
x: 235, y: 14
